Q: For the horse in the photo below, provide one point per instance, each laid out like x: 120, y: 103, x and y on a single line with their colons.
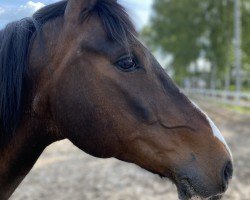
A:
x: 76, y: 70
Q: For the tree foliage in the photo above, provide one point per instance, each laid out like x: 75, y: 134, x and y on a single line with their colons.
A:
x: 191, y: 29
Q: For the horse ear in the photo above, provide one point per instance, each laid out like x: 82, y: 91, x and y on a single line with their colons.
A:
x: 76, y: 7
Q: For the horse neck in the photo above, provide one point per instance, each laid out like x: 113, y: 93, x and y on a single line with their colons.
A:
x: 20, y: 154
x: 35, y: 133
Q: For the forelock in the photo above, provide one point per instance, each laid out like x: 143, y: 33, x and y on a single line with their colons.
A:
x: 114, y: 18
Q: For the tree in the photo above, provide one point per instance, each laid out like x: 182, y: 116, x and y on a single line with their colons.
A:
x: 190, y: 29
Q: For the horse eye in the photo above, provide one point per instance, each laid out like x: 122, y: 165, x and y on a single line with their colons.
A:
x: 127, y: 64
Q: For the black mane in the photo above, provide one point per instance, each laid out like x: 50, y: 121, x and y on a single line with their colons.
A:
x: 14, y: 51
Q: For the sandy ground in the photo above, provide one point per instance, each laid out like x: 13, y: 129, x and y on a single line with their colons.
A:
x: 63, y: 172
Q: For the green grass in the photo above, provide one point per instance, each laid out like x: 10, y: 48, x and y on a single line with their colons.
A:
x: 239, y: 109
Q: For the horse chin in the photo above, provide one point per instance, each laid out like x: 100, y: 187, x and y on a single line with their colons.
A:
x: 197, y: 197
x: 187, y: 192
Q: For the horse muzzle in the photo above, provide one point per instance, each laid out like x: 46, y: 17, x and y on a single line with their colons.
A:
x: 194, y: 187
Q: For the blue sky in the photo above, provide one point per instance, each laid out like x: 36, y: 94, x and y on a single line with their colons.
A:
x: 16, y: 9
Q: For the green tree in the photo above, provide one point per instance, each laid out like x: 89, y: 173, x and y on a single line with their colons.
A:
x: 189, y: 29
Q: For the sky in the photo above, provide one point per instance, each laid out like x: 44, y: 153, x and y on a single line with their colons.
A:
x: 11, y: 10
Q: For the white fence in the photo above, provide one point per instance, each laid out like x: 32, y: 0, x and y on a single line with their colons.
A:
x: 232, y: 98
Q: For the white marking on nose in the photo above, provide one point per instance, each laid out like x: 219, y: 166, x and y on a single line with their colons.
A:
x: 214, y: 128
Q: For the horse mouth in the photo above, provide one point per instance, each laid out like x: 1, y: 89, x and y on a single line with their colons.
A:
x: 187, y: 192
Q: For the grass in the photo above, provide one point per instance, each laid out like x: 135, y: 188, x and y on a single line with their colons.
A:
x: 238, y: 109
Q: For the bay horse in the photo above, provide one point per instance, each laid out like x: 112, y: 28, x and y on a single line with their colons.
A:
x: 76, y: 70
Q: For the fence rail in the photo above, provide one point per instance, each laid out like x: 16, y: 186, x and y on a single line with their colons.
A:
x: 228, y: 97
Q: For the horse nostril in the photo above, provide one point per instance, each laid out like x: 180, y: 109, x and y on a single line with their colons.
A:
x: 227, y: 175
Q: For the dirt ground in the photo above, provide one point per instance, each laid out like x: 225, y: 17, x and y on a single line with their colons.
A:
x: 65, y: 173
